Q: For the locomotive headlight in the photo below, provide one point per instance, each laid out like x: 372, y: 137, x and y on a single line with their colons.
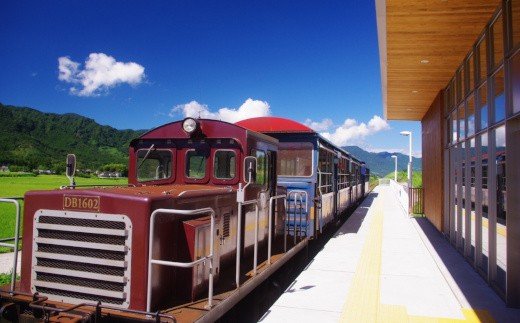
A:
x: 189, y: 125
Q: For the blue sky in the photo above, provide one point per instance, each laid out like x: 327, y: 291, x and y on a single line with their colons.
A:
x: 138, y: 65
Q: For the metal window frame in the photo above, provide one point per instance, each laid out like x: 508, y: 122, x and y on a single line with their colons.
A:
x: 313, y: 161
x: 226, y: 180
x: 173, y: 169
x: 188, y: 179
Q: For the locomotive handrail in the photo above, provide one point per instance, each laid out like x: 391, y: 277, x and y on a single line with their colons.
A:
x: 180, y: 264
x: 269, y: 242
x: 16, y: 238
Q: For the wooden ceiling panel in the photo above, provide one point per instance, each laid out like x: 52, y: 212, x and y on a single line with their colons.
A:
x: 439, y: 31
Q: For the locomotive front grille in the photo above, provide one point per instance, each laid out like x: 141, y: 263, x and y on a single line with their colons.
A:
x: 82, y: 257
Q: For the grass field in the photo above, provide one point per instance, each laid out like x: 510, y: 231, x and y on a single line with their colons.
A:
x: 5, y: 279
x: 402, y: 178
x: 17, y: 186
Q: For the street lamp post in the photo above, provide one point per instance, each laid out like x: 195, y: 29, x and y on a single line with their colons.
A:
x: 409, y: 134
x: 395, y: 170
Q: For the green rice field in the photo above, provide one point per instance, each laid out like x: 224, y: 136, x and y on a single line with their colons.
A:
x: 17, y: 186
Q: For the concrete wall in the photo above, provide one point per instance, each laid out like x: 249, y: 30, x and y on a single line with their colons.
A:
x: 433, y: 161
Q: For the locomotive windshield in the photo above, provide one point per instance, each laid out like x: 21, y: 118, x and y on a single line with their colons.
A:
x: 224, y: 166
x: 196, y: 164
x: 153, y: 164
x: 295, y: 159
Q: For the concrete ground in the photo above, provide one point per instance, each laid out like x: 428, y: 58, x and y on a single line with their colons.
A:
x: 6, y: 262
x: 383, y: 266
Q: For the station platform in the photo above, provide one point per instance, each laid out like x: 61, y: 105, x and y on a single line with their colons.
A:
x: 384, y: 266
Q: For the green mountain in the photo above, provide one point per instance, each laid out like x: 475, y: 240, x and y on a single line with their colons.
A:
x: 33, y: 139
x: 382, y: 163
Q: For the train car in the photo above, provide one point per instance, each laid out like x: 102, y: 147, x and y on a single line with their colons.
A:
x: 199, y: 216
x: 201, y: 223
x: 322, y: 180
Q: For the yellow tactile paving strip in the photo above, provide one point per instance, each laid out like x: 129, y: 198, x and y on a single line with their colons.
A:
x: 363, y: 300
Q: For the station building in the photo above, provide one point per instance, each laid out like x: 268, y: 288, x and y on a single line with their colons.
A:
x: 454, y: 65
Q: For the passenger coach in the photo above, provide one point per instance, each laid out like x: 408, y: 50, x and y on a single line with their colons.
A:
x: 322, y: 180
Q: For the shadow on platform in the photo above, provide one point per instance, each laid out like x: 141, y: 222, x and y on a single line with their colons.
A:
x: 466, y: 282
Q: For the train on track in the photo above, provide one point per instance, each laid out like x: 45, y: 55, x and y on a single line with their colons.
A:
x: 211, y: 210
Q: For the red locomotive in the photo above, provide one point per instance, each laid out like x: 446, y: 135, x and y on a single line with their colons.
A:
x: 201, y: 223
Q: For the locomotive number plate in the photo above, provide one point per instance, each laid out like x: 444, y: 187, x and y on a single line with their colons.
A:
x: 83, y: 203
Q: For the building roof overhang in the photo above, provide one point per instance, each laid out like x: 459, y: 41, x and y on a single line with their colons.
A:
x: 421, y: 45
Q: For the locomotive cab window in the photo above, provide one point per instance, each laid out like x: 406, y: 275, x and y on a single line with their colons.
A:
x: 196, y: 164
x: 261, y: 178
x: 153, y: 164
x: 224, y: 164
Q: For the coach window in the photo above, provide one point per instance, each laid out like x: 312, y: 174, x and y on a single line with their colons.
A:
x: 153, y: 164
x: 224, y: 164
x: 295, y: 159
x: 260, y: 167
x: 195, y: 164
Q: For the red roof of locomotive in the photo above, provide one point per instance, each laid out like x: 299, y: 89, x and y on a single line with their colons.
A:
x: 274, y: 124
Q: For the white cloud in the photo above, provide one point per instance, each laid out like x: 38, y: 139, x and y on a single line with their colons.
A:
x: 353, y: 132
x: 249, y: 109
x: 68, y: 69
x: 101, y: 73
x: 318, y: 126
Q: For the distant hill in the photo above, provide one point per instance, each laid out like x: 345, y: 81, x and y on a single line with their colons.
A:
x: 35, y: 139
x: 382, y: 163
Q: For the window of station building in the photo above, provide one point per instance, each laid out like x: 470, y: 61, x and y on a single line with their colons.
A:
x: 261, y: 174
x: 483, y: 107
x: 470, y: 69
x: 499, y: 97
x: 196, y: 164
x: 482, y: 63
x: 448, y: 106
x: 498, y: 40
x: 449, y: 131
x: 461, y: 194
x: 454, y: 127
x: 295, y: 159
x: 154, y: 164
x: 224, y: 164
x: 458, y: 86
x: 483, y: 262
x: 515, y: 75
x: 462, y: 78
x: 470, y: 106
x: 473, y: 174
x: 501, y: 227
x: 462, y: 122
x: 464, y: 201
